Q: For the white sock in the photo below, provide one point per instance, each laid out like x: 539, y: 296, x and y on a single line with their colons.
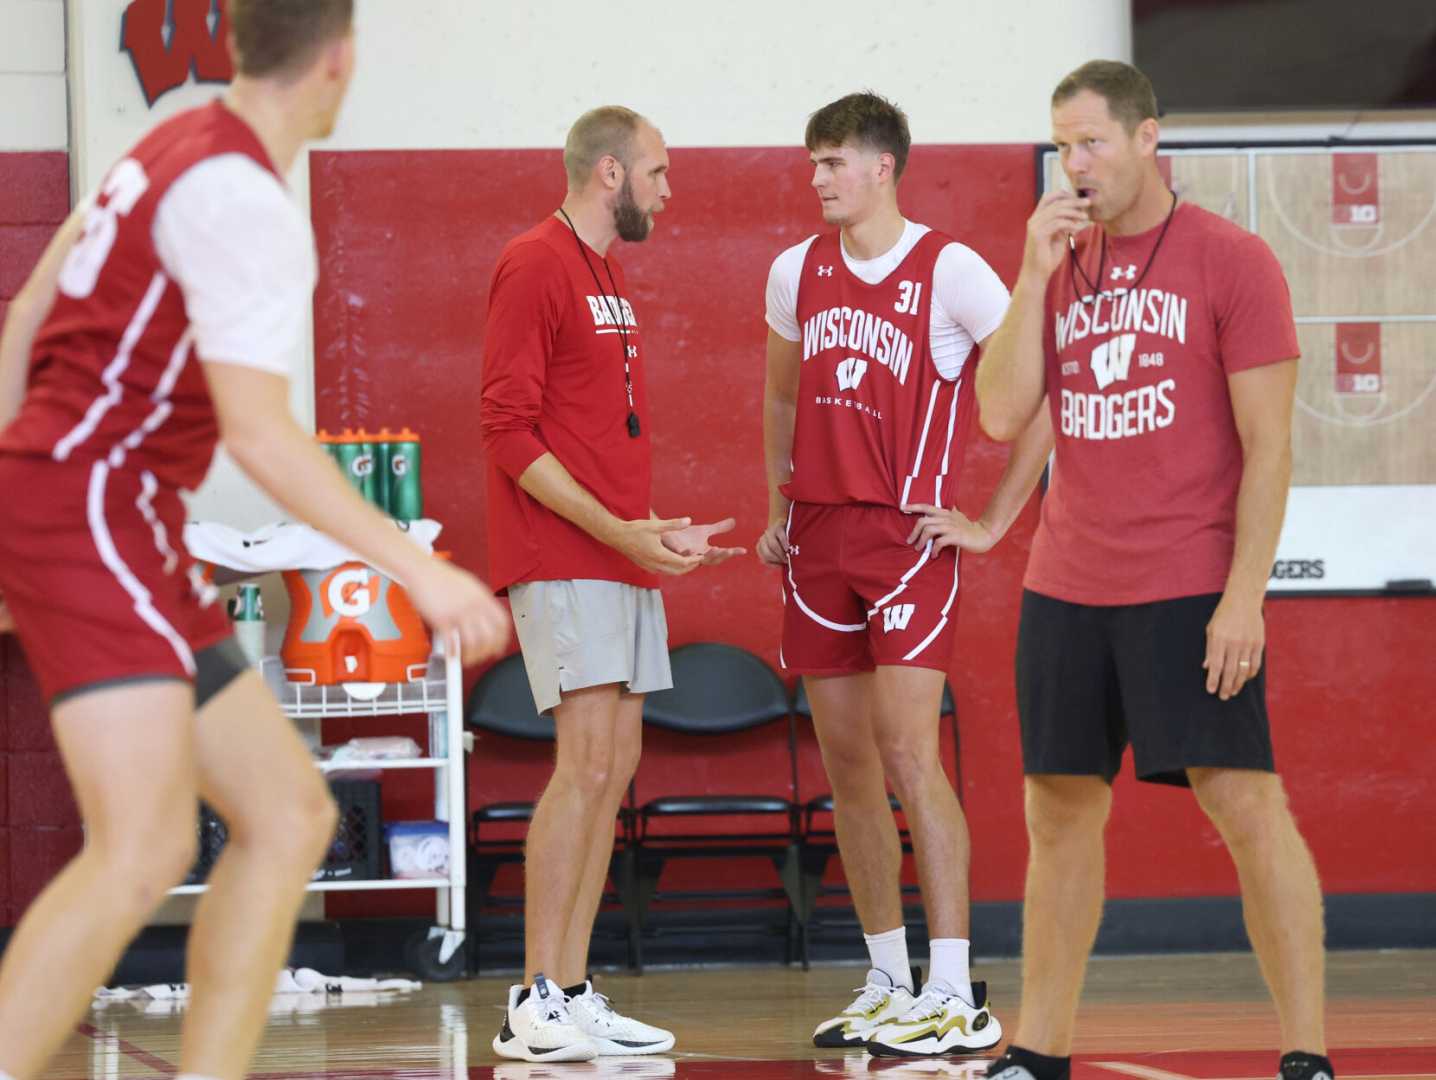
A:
x: 888, y: 953
x: 947, y: 957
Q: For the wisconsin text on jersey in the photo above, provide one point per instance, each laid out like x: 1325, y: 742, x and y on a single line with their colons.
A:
x: 1152, y: 311
x: 862, y: 332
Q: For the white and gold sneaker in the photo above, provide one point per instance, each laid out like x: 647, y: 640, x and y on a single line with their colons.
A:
x: 879, y: 1001
x: 939, y: 1022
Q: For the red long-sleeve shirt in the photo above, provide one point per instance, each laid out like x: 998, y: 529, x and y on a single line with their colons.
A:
x: 553, y: 382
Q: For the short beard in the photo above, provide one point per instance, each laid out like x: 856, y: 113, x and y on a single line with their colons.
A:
x: 632, y: 223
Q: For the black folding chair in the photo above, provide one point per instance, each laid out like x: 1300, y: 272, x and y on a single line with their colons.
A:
x: 718, y: 690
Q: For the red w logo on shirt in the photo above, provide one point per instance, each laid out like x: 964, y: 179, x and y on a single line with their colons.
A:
x: 170, y: 40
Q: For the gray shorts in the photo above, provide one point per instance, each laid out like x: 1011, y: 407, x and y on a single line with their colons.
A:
x: 576, y: 634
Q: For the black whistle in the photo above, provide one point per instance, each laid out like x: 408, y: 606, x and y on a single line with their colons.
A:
x: 633, y: 428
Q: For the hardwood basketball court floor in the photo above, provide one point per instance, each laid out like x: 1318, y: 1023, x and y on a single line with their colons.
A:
x: 1170, y: 1017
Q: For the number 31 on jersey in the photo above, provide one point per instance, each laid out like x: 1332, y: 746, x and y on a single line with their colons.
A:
x: 909, y: 295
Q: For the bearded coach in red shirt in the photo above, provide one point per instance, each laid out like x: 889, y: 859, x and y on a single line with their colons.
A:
x: 574, y: 540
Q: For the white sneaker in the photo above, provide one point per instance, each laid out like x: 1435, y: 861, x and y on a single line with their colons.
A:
x: 878, y: 1002
x: 539, y: 1028
x: 939, y: 1022
x: 612, y: 1033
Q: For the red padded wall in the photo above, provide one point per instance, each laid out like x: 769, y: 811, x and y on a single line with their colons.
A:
x: 407, y: 242
x: 39, y: 826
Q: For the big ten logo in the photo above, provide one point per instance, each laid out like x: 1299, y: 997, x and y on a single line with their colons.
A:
x: 1358, y: 358
x: 171, y: 40
x: 1355, y: 189
x: 352, y: 592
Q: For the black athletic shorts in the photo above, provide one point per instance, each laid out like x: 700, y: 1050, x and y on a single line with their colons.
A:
x: 1092, y: 679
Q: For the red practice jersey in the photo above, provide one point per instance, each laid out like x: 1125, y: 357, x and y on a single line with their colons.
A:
x: 876, y: 423
x: 110, y: 376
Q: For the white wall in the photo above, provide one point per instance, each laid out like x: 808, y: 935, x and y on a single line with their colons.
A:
x: 32, y: 75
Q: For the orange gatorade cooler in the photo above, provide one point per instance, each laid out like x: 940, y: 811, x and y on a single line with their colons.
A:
x: 350, y: 623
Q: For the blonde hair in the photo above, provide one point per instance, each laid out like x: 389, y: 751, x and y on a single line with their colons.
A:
x: 598, y: 133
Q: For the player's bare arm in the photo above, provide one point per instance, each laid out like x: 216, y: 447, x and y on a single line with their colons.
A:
x: 780, y: 411
x: 641, y: 540
x: 1261, y: 404
x: 950, y: 527
x: 263, y: 438
x: 27, y: 314
x: 1010, y: 377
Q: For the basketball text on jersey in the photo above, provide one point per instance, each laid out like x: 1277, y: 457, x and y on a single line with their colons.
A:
x: 860, y: 331
x: 1115, y: 318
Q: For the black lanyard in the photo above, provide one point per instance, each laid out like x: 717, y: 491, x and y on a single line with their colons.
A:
x: 614, y: 305
x: 1074, y: 267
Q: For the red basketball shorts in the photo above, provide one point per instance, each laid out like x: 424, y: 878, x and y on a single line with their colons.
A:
x: 856, y: 594
x: 94, y: 571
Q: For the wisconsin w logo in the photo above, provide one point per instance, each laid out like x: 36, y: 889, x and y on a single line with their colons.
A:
x: 897, y: 617
x: 168, y: 40
x: 851, y: 372
x: 1111, y: 360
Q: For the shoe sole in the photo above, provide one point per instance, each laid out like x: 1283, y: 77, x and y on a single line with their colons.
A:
x: 609, y: 1048
x: 877, y: 1049
x: 514, y: 1050
x: 834, y: 1039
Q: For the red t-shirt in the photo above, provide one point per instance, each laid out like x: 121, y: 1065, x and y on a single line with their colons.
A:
x: 1142, y: 504
x: 875, y: 422
x: 553, y: 383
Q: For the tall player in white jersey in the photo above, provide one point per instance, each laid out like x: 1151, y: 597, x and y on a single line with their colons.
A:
x: 872, y: 331
x: 158, y: 320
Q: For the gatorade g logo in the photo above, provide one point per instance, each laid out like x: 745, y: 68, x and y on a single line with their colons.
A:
x: 400, y: 465
x: 351, y: 593
x: 170, y: 40
x: 363, y: 465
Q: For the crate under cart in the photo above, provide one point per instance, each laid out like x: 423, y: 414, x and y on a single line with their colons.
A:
x: 436, y: 691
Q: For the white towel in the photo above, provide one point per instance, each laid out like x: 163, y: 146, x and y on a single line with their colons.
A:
x: 284, y: 546
x: 291, y: 981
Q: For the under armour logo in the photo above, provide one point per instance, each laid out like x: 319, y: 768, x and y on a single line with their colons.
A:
x: 897, y: 617
x: 825, y: 271
x: 851, y: 372
x: 1129, y: 272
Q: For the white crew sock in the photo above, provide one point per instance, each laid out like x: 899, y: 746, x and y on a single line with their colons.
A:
x: 888, y: 953
x: 947, y: 957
